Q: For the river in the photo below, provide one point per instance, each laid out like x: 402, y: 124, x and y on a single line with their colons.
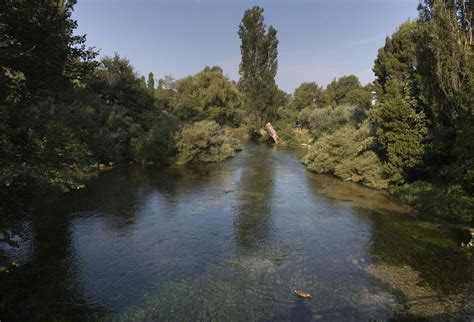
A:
x: 232, y: 241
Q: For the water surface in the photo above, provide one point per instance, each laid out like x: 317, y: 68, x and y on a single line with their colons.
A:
x: 231, y: 241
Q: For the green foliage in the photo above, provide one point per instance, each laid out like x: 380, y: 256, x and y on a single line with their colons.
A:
x: 207, y: 95
x: 37, y: 42
x: 339, y: 89
x: 346, y: 154
x: 130, y: 106
x: 424, y: 122
x: 61, y: 111
x: 461, y: 171
x: 150, y: 84
x: 165, y: 92
x: 399, y: 132
x: 40, y: 62
x: 451, y: 204
x: 51, y: 155
x: 117, y: 83
x: 329, y: 119
x: 397, y: 59
x: 317, y: 109
x: 258, y: 67
x: 204, y: 141
x: 308, y: 94
x: 444, y: 53
x: 157, y: 145
x: 446, y: 69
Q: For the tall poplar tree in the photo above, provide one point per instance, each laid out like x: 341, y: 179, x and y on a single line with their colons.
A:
x: 258, y: 66
x: 151, y: 83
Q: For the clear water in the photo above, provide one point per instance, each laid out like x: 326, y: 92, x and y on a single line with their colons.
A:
x: 232, y: 241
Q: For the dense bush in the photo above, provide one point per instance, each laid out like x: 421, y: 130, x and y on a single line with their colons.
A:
x: 345, y: 153
x: 204, y: 141
x: 451, y: 204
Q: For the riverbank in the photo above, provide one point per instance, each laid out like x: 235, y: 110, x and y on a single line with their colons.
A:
x: 345, y: 155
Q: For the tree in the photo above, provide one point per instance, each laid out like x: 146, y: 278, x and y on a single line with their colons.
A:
x: 209, y: 95
x: 151, y: 83
x: 445, y: 59
x: 347, y: 90
x: 258, y: 66
x: 131, y: 110
x: 41, y: 62
x: 38, y: 41
x: 446, y: 72
x: 117, y: 82
x: 397, y: 59
x: 308, y: 94
x: 165, y: 92
x: 399, y: 132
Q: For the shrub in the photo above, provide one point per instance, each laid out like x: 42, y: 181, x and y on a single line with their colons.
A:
x: 364, y: 168
x: 205, y: 141
x: 345, y: 153
x: 450, y: 204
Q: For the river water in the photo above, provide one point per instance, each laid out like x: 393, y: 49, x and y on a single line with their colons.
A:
x: 232, y: 241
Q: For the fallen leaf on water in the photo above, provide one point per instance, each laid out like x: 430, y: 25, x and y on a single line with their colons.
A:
x: 303, y: 294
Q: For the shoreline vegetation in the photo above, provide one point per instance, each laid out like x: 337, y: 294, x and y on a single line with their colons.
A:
x: 410, y: 132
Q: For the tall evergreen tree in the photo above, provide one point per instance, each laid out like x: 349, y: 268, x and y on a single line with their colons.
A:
x: 258, y: 66
x: 397, y: 59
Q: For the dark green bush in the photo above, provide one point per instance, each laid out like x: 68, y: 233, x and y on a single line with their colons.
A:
x: 157, y: 145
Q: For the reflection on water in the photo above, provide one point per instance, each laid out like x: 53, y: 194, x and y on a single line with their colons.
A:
x: 231, y: 241
x: 253, y: 214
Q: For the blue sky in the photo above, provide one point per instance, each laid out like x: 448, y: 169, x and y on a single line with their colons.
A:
x: 318, y: 40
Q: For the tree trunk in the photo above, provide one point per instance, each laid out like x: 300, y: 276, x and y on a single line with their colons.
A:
x: 271, y: 131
